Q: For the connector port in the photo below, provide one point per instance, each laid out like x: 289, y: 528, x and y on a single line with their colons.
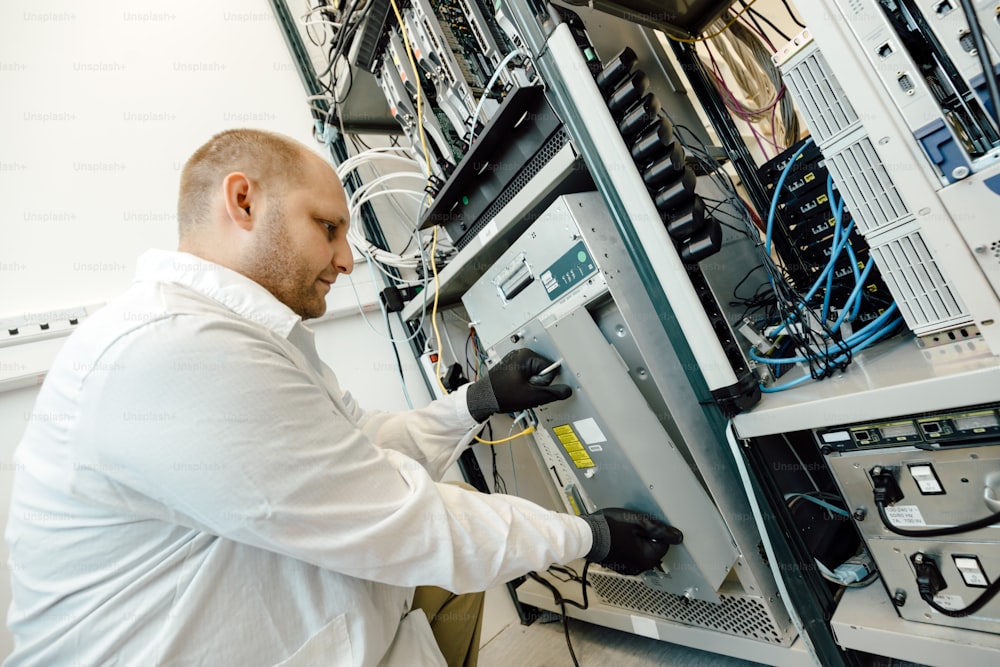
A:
x: 943, y: 8
x: 885, y: 486
x: 967, y: 43
x: 906, y: 83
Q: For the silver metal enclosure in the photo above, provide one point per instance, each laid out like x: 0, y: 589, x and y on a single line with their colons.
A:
x: 566, y: 290
x: 940, y: 488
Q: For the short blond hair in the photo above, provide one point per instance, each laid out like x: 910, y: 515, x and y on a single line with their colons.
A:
x: 269, y: 159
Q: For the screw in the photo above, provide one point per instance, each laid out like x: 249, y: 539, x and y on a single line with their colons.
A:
x: 825, y: 450
x: 877, y: 470
x: 860, y: 513
x: 918, y: 559
x: 899, y: 597
x: 514, y: 338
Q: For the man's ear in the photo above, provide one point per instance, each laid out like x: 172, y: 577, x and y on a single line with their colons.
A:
x: 238, y: 194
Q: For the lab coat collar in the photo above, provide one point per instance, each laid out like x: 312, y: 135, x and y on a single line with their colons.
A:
x: 233, y: 290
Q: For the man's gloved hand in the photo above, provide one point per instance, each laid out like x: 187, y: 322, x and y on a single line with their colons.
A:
x: 629, y: 542
x: 515, y: 384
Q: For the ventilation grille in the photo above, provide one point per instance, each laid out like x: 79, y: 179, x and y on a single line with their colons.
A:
x: 548, y: 151
x: 735, y: 615
x: 924, y: 297
x: 820, y: 98
x: 871, y: 195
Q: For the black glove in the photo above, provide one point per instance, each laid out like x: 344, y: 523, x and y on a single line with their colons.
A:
x: 514, y: 384
x: 629, y: 542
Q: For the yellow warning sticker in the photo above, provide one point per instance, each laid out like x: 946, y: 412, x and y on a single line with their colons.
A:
x: 573, y: 446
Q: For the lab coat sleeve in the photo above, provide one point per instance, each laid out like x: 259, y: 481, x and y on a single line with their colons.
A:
x: 242, y: 443
x: 434, y: 435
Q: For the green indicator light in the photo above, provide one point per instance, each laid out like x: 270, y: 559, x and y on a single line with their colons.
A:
x: 465, y: 201
x: 581, y: 256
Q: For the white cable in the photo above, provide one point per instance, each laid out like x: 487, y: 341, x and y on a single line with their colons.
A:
x: 322, y: 22
x: 364, y: 316
x: 493, y: 79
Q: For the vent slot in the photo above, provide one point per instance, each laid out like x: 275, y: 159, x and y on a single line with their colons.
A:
x: 924, y: 297
x: 736, y: 615
x: 548, y: 151
x: 871, y: 195
x: 821, y: 100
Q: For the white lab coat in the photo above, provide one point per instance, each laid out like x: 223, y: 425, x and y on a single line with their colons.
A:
x: 194, y: 488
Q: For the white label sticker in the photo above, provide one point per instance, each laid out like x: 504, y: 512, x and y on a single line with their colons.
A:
x: 950, y: 601
x: 645, y: 627
x: 838, y: 436
x: 489, y: 231
x: 905, y: 515
x: 589, y: 431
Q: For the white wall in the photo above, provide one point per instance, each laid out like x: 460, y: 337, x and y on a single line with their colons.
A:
x: 102, y: 104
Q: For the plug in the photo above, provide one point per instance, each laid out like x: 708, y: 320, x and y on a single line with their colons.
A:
x: 454, y: 378
x: 886, y: 488
x: 855, y: 568
x: 929, y: 579
x: 394, y: 298
x: 850, y: 573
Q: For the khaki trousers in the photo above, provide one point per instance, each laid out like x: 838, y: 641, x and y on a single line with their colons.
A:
x: 456, y: 621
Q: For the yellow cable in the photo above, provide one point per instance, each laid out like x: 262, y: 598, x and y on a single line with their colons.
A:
x: 427, y: 155
x: 434, y: 310
x: 695, y: 40
x: 530, y: 429
x: 437, y: 338
x: 420, y: 102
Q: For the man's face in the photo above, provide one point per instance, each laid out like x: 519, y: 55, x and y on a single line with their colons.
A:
x: 303, y: 246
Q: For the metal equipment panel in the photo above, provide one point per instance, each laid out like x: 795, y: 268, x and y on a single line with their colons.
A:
x: 906, y: 163
x: 657, y: 453
x: 865, y: 620
x: 912, y: 483
x: 972, y: 203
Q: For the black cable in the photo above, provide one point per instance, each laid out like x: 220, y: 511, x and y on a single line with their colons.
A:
x: 985, y: 61
x: 562, y: 602
x: 499, y: 483
x: 791, y: 14
x: 928, y: 574
x: 766, y: 20
x: 750, y: 15
x: 395, y: 351
x: 936, y: 532
x: 975, y: 606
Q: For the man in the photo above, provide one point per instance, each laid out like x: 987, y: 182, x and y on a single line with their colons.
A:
x: 209, y: 495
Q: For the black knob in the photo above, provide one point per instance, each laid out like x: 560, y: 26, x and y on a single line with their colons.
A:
x: 665, y: 169
x: 640, y: 117
x: 654, y: 143
x: 703, y: 244
x: 609, y: 78
x: 687, y: 221
x: 678, y: 193
x: 628, y: 93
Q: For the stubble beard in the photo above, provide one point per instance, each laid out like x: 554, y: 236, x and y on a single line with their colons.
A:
x: 282, y: 274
